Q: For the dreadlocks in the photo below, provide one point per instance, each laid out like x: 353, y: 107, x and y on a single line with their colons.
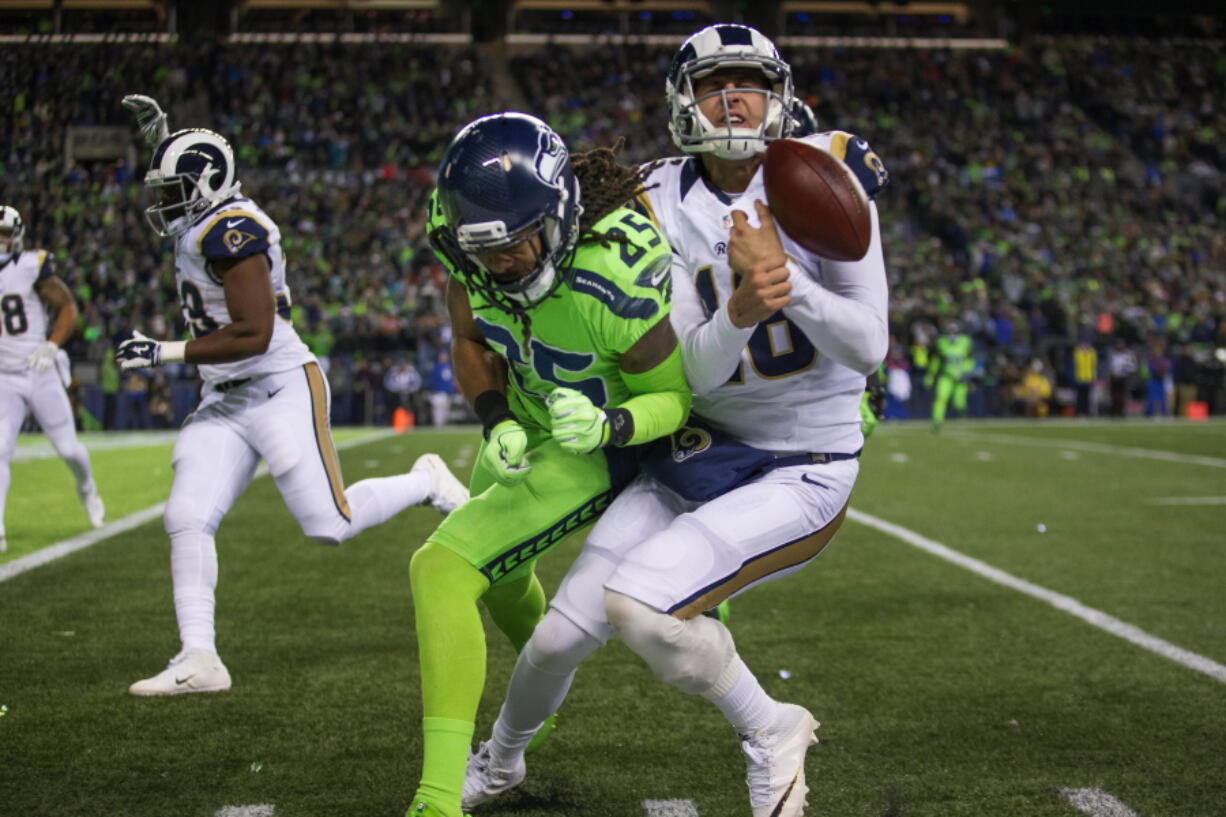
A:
x: 605, y: 184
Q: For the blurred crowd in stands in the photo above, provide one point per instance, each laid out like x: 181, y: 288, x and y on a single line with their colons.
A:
x: 1059, y: 202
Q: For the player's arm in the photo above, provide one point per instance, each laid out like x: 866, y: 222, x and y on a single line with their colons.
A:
x: 710, y: 346
x: 57, y: 297
x: 481, y: 375
x: 652, y: 370
x: 478, y: 368
x: 845, y: 316
x: 247, y: 283
x: 659, y: 403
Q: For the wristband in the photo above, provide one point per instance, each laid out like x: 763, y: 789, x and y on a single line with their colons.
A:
x: 491, y: 408
x: 173, y: 351
x: 621, y: 426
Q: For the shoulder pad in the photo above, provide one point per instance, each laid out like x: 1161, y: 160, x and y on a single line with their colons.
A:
x: 858, y: 156
x: 45, y: 268
x: 233, y: 233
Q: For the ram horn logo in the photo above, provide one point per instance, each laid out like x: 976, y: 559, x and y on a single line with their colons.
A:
x: 689, y: 441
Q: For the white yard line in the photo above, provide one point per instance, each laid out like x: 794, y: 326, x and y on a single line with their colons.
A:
x: 1095, y: 448
x: 923, y: 425
x: 39, y: 447
x: 260, y: 810
x: 1067, y: 604
x: 1096, y: 803
x: 132, y: 520
x: 1188, y: 500
x: 670, y: 808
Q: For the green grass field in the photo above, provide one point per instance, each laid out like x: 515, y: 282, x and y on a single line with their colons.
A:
x: 940, y: 692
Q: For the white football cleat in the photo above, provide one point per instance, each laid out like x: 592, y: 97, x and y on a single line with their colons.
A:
x: 94, y: 508
x: 482, y: 781
x: 775, y: 763
x: 446, y: 492
x: 189, y: 671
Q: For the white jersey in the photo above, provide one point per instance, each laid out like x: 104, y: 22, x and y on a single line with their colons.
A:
x: 235, y: 229
x: 23, y: 319
x: 793, y: 382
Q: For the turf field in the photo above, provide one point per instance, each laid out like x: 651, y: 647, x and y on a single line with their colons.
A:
x: 1018, y: 621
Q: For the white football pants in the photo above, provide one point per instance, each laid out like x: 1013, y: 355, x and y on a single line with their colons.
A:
x: 44, y: 396
x: 282, y: 418
x: 674, y: 556
x: 682, y: 557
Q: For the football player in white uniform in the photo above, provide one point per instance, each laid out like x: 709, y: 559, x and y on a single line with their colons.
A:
x: 263, y: 396
x: 33, y: 369
x: 777, y: 343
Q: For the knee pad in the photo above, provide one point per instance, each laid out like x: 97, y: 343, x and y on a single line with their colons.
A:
x: 63, y: 439
x: 326, y: 526
x: 183, y: 516
x: 558, y: 646
x: 8, y: 437
x: 331, y: 538
x: 689, y: 655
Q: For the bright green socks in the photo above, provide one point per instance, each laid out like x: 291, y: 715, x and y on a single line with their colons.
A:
x: 446, y: 743
x: 451, y: 645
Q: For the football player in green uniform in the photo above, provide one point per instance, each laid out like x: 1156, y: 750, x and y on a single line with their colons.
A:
x: 948, y: 371
x: 559, y: 303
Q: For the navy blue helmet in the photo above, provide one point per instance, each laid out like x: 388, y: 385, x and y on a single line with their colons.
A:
x: 504, y: 179
x: 192, y: 171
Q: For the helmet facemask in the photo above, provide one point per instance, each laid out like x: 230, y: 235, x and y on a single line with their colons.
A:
x: 192, y: 171
x: 704, y: 54
x: 507, y: 180
x: 177, y: 202
x: 553, y: 245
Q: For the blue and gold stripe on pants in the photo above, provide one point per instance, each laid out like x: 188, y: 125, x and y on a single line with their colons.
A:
x: 323, y: 437
x: 783, y: 557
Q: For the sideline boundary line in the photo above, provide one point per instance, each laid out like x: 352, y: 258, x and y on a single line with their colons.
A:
x: 1067, y: 604
x: 133, y: 520
x: 1090, y: 447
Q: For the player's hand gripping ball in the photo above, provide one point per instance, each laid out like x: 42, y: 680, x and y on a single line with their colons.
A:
x: 817, y: 200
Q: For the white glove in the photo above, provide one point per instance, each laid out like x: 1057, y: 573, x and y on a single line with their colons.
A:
x: 43, y: 358
x: 149, y: 116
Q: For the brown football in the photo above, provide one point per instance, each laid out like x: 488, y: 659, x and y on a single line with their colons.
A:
x: 817, y: 200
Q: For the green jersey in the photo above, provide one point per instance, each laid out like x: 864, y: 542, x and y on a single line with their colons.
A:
x: 955, y: 354
x: 609, y: 298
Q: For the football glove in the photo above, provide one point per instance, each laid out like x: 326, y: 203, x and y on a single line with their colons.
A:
x: 868, y: 417
x: 872, y: 403
x: 579, y: 425
x: 149, y: 117
x: 504, y: 453
x: 137, y: 352
x: 43, y: 358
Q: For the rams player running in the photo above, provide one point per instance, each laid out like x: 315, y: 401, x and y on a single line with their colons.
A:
x: 33, y: 369
x: 559, y: 308
x: 777, y: 343
x: 263, y: 396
